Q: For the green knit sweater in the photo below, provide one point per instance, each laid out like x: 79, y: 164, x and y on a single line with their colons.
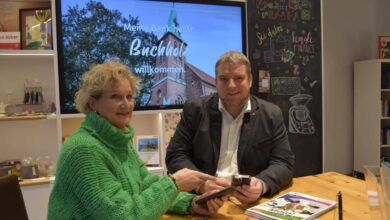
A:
x: 100, y: 176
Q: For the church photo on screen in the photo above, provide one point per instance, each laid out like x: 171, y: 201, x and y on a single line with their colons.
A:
x: 172, y: 46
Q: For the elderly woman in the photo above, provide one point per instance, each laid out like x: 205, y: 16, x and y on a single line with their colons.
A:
x: 99, y: 174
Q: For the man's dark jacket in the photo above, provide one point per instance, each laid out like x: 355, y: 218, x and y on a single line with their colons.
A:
x: 263, y: 151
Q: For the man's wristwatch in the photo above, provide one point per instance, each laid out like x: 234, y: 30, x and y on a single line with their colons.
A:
x: 263, y: 188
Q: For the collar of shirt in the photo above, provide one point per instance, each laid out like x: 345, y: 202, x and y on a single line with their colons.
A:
x: 247, y: 108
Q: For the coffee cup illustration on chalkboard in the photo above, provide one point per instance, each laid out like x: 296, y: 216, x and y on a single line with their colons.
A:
x: 299, y: 115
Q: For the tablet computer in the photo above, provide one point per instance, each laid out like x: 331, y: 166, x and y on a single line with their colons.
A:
x: 222, y: 192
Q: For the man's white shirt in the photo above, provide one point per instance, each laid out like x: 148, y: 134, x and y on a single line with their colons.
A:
x: 230, y: 137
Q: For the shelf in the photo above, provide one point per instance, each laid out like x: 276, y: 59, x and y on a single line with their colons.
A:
x: 369, y: 122
x: 50, y: 180
x: 155, y: 169
x: 37, y: 181
x: 76, y: 115
x: 135, y: 112
x: 26, y: 53
x: 27, y: 117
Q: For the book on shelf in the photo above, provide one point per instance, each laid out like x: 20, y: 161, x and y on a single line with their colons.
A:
x: 385, y: 135
x: 9, y: 40
x: 383, y: 47
x: 385, y: 107
x: 291, y: 206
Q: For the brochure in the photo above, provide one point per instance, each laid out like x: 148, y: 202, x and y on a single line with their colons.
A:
x: 148, y: 149
x: 291, y: 206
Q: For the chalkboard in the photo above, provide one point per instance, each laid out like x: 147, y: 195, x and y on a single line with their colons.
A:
x: 284, y: 39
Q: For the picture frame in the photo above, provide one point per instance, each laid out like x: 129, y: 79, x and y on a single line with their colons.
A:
x: 35, y: 26
x: 148, y: 147
x: 264, y: 85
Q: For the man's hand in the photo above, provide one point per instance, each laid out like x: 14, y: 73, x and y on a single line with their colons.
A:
x: 188, y: 180
x: 249, y: 193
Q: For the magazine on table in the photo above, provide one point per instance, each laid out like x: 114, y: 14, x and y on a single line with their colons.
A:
x: 291, y: 206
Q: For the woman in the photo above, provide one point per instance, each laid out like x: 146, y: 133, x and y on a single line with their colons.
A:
x: 99, y: 174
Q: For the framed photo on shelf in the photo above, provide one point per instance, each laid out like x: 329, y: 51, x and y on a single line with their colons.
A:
x: 383, y: 47
x: 148, y: 149
x: 35, y: 29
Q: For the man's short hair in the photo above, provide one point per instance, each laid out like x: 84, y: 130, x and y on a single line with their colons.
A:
x: 232, y: 57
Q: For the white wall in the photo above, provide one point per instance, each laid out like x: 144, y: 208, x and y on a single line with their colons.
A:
x: 383, y: 17
x: 350, y: 30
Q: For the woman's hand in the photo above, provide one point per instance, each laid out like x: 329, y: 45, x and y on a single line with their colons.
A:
x: 188, y: 180
x: 211, y: 207
x: 211, y: 185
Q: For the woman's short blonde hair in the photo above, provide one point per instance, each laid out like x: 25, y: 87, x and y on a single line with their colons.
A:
x: 98, y: 77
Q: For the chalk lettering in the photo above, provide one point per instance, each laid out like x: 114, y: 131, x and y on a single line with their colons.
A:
x: 274, y: 14
x: 308, y: 39
x: 272, y: 32
x: 304, y: 48
x: 287, y: 56
x: 261, y: 4
x: 161, y: 50
x: 260, y: 38
x: 296, y: 69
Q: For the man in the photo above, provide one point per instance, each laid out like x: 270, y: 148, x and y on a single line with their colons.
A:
x: 233, y: 132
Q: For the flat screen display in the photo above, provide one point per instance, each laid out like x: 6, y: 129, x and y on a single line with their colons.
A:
x: 172, y: 46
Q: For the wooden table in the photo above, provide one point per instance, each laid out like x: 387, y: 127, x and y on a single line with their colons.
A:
x: 325, y: 185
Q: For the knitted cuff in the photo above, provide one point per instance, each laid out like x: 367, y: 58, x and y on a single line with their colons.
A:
x: 174, y: 181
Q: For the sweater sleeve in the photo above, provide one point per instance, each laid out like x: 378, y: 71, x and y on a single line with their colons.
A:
x: 88, y: 177
x: 180, y: 204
